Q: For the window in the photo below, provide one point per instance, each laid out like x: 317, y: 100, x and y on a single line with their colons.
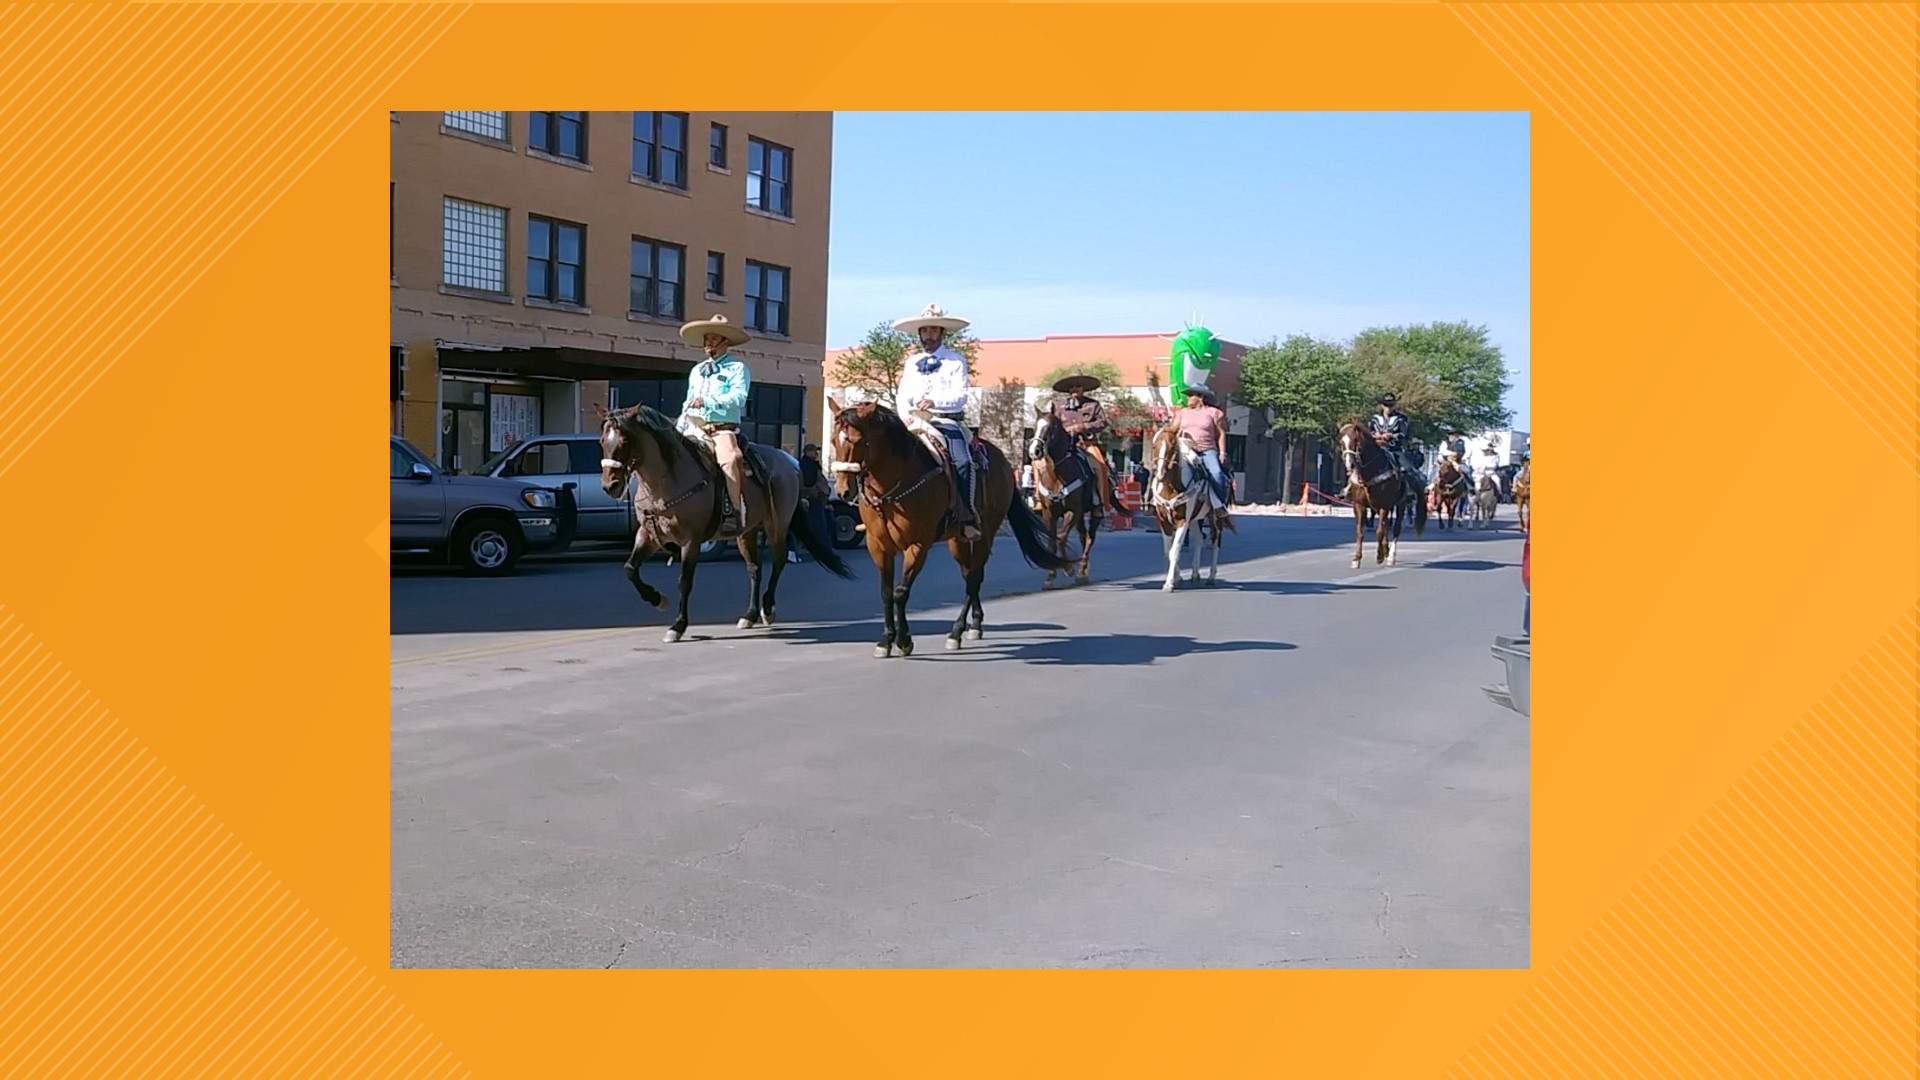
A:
x: 562, y: 134
x: 656, y: 279
x: 774, y: 416
x: 716, y: 274
x: 770, y: 177
x: 660, y: 147
x: 767, y: 297
x: 489, y: 125
x: 556, y: 261
x: 717, y: 146
x: 546, y: 459
x: 473, y: 250
x: 401, y: 464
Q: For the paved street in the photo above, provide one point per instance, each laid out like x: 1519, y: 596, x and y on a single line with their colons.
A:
x: 1296, y: 768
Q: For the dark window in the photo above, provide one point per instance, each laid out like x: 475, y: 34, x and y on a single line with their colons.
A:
x: 556, y: 260
x: 656, y: 279
x: 770, y: 177
x: 663, y: 392
x: 716, y: 273
x: 775, y: 416
x: 717, y: 146
x: 660, y: 147
x: 401, y: 465
x: 767, y: 297
x: 562, y: 134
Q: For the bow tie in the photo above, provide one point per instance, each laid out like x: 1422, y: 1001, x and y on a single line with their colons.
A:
x: 928, y: 364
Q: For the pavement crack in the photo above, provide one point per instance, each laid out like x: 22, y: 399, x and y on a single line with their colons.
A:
x: 734, y: 849
x: 1380, y: 922
x: 617, y: 956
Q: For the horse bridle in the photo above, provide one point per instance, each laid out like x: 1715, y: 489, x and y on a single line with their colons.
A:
x: 653, y: 509
x: 895, y: 494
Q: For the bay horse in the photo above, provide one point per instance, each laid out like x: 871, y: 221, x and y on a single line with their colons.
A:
x: 1183, y: 499
x: 1522, y: 494
x: 1059, y: 466
x: 905, y: 498
x: 1449, y: 492
x: 1375, y: 487
x: 678, y: 487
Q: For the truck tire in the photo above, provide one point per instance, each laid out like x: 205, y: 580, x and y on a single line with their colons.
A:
x: 487, y: 545
x: 846, y: 527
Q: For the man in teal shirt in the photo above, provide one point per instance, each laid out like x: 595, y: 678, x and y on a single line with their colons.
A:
x: 716, y: 394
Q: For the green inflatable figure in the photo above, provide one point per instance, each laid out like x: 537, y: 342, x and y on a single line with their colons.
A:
x: 1195, y: 351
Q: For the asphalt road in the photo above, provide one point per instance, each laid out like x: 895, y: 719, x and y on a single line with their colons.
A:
x: 1295, y: 768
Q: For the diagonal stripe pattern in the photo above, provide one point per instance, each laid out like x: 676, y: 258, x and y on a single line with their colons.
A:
x: 1777, y: 141
x: 161, y: 133
x: 140, y: 936
x: 1776, y: 937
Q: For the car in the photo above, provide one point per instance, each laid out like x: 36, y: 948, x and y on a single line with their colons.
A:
x: 569, y: 461
x: 481, y: 523
x: 1516, y: 653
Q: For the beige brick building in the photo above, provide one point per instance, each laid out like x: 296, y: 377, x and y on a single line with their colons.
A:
x: 543, y: 262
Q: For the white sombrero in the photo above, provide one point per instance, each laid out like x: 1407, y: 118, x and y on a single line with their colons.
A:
x: 932, y: 316
x: 695, y: 333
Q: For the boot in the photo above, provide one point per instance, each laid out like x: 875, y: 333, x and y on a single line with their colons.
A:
x: 964, y: 516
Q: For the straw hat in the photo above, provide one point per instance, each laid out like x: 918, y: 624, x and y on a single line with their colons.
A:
x: 695, y: 333
x: 932, y: 316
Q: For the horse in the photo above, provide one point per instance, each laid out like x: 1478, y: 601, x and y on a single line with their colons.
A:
x: 1058, y: 466
x: 1376, y: 485
x: 901, y: 487
x: 1183, y: 498
x: 678, y: 487
x: 1522, y: 493
x: 1449, y: 491
x: 1486, y: 502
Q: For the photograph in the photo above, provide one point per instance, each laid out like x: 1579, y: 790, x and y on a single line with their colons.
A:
x: 1240, y: 400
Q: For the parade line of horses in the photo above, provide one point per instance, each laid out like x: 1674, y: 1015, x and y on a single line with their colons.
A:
x: 904, y: 490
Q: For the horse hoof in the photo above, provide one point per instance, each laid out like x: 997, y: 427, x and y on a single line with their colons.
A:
x: 672, y: 637
x: 1354, y: 565
x: 881, y: 652
x: 1046, y: 586
x: 743, y: 624
x: 1081, y: 580
x: 953, y: 643
x: 976, y: 635
x: 657, y: 604
x: 906, y: 648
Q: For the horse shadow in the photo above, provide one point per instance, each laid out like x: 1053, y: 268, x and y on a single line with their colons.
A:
x: 849, y: 633
x: 1090, y: 650
x: 1271, y: 588
x: 1466, y: 564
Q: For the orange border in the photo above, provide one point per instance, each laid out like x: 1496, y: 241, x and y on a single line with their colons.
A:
x: 193, y: 849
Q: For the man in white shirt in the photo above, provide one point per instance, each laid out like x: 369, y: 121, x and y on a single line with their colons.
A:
x: 1486, y: 462
x: 933, y: 402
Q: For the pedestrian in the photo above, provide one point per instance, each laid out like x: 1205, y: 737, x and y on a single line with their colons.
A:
x: 814, y: 493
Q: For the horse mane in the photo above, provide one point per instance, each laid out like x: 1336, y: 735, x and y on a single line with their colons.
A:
x: 666, y: 434
x: 884, y: 424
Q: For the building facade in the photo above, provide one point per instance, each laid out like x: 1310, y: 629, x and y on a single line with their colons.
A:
x: 1250, y: 454
x: 542, y: 263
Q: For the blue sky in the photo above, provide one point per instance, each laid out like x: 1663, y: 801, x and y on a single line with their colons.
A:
x: 1262, y: 224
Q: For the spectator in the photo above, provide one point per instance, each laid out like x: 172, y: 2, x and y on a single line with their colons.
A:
x: 815, y: 494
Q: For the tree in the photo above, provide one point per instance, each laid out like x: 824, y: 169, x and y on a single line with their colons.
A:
x: 1450, y: 368
x: 1003, y: 416
x: 1305, y: 386
x: 873, y: 367
x: 1123, y: 410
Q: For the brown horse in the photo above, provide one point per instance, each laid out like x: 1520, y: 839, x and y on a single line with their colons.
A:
x: 677, y: 495
x: 1522, y: 494
x: 1058, y: 466
x: 1183, y: 501
x: 1449, y: 491
x: 1376, y: 488
x: 905, y: 498
x: 1486, y: 501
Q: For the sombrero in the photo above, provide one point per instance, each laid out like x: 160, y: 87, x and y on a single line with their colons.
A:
x: 932, y: 316
x: 1076, y: 384
x: 695, y: 333
x: 1388, y: 399
x: 1206, y: 395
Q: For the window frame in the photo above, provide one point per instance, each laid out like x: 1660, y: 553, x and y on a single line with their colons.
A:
x: 446, y: 276
x: 717, y: 279
x: 724, y: 148
x: 553, y: 121
x: 553, y: 260
x: 653, y: 173
x: 756, y: 296
x: 652, y: 277
x: 761, y: 186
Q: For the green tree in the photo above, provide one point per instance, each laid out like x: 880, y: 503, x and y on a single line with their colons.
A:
x: 1003, y: 416
x: 1123, y: 410
x: 1305, y: 386
x: 1444, y: 373
x: 874, y: 365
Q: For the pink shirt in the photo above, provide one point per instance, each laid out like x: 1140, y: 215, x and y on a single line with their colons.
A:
x: 1198, y: 425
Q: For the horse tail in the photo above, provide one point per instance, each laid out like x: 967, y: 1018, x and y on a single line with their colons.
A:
x: 1031, y: 534
x: 816, y: 545
x: 1419, y: 516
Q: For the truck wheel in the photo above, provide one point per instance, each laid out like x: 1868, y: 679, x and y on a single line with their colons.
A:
x: 487, y: 546
x: 846, y: 527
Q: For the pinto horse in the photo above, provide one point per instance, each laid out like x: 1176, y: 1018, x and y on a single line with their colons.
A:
x: 905, y: 498
x: 1184, y: 505
x: 1377, y: 488
x: 1059, y: 467
x: 1449, y: 492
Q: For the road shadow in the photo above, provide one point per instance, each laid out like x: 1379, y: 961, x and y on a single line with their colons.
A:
x: 1467, y: 564
x: 1089, y: 650
x: 1274, y: 588
x: 868, y: 631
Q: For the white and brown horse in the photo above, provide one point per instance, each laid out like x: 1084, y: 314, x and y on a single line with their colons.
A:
x: 1067, y: 491
x: 1183, y: 500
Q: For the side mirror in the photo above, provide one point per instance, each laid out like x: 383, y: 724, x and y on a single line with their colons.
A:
x: 420, y: 471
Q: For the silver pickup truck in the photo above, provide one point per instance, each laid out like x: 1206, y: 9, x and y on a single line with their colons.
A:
x: 481, y: 523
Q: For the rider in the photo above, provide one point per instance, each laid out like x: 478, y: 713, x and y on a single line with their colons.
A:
x: 1455, y: 447
x: 1205, y: 426
x: 1486, y: 462
x: 716, y: 393
x: 1392, y: 423
x: 933, y: 402
x: 1082, y: 418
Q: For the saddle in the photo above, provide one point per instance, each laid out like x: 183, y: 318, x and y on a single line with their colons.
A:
x: 751, y: 460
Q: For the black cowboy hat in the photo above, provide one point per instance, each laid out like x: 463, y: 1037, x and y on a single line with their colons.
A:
x: 1388, y: 399
x: 1202, y: 393
x: 1076, y: 384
